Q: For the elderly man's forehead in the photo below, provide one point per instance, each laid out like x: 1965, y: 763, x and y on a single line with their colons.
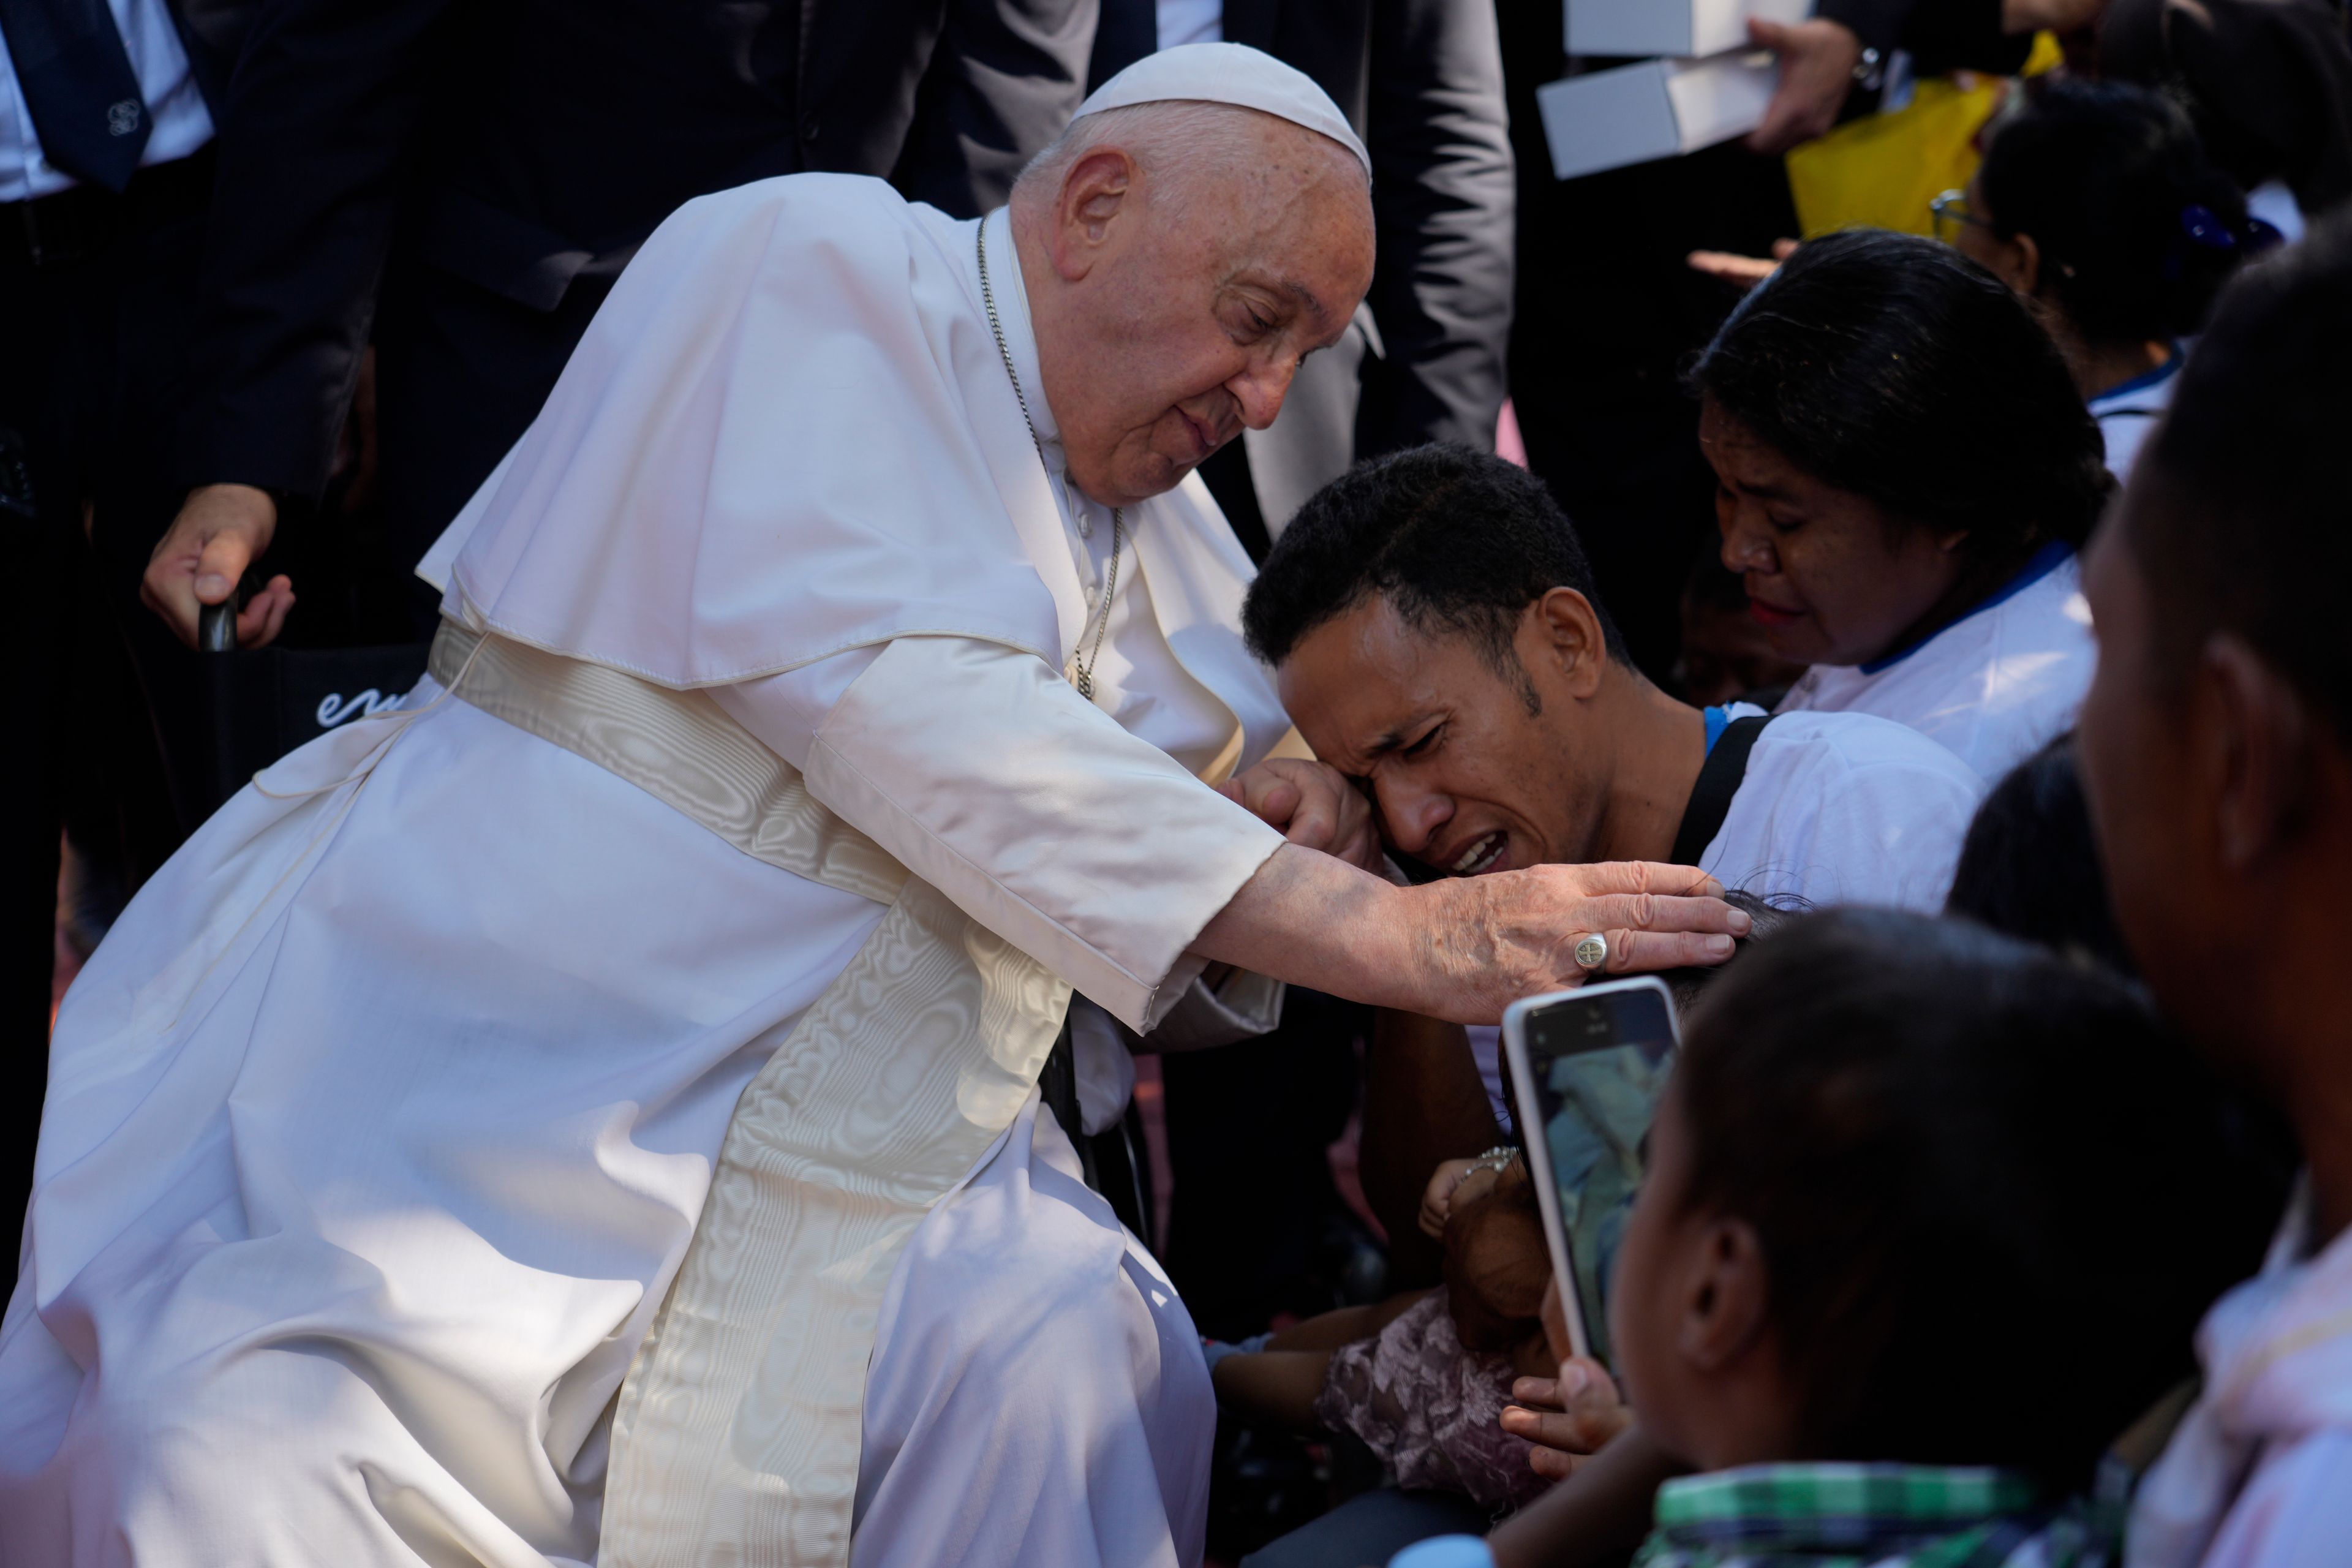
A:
x: 1312, y: 237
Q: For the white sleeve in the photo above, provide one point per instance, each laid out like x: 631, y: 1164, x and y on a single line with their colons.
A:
x: 985, y: 774
x: 786, y: 711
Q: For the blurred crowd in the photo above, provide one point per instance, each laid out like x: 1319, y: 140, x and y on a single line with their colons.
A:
x: 1635, y: 516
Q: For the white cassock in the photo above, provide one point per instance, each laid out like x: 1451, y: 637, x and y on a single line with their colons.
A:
x: 379, y: 1129
x: 1994, y: 686
x: 1834, y: 808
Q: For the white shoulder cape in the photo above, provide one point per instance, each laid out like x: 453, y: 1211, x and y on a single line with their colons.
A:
x: 787, y: 433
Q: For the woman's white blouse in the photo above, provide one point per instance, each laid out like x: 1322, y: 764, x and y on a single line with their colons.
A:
x: 1994, y: 686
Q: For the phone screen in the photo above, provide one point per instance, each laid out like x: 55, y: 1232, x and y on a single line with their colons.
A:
x: 1597, y: 1065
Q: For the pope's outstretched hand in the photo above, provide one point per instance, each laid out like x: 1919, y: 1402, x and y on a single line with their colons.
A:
x: 1466, y: 948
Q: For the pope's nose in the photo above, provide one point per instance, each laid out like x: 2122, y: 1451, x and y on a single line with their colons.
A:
x: 1260, y: 391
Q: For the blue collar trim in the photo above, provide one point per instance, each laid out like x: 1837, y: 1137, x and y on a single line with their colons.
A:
x: 1718, y: 719
x: 2044, y: 561
x: 2144, y: 379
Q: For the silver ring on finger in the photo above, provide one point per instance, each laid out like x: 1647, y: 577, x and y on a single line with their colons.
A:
x: 1592, y: 952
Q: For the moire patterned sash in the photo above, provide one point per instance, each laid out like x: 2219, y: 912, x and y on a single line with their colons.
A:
x: 736, y: 1436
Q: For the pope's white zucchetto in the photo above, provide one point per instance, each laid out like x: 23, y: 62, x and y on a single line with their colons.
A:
x: 1229, y: 73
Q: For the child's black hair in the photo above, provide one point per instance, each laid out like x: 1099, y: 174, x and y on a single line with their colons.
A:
x: 1993, y: 1194
x: 2029, y: 865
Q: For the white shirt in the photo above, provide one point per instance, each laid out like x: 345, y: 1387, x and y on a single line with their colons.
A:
x: 180, y: 123
x: 2127, y: 412
x: 2258, y: 1472
x: 1844, y: 808
x: 1834, y: 808
x: 2274, y: 204
x: 1993, y: 686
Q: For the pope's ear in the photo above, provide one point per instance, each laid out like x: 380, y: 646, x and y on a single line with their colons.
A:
x: 1094, y: 196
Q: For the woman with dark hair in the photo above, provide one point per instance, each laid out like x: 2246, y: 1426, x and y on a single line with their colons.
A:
x: 1905, y: 471
x: 2096, y: 202
x: 2268, y: 84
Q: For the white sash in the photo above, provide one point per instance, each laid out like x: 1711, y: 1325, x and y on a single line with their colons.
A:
x: 737, y: 1433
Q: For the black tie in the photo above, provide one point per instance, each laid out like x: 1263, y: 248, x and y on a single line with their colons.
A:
x: 79, y: 85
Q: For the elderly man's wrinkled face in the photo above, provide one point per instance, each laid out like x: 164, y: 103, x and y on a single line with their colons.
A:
x: 1173, y: 308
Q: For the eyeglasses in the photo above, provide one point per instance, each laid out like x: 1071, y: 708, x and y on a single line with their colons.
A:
x: 1950, y: 211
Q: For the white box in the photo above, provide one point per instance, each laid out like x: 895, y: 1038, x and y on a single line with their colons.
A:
x: 1655, y: 109
x: 1682, y: 27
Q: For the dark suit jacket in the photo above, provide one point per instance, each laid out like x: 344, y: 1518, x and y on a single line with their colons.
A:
x: 213, y: 32
x: 1421, y: 81
x: 522, y: 145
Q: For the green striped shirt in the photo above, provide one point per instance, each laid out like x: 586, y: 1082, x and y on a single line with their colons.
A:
x: 1850, y: 1516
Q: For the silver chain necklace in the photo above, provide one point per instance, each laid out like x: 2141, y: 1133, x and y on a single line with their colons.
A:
x: 1082, y: 674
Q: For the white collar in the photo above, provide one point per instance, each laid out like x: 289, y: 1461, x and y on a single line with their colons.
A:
x: 1010, y: 293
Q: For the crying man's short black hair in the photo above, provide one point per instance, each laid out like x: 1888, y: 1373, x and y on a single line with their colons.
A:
x: 1456, y: 540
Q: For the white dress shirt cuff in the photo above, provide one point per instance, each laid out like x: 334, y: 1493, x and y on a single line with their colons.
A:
x: 1241, y: 1006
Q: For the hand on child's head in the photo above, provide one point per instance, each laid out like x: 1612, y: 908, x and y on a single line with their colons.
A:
x: 1569, y: 1418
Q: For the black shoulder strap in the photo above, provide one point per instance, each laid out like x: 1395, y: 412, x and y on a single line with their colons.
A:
x: 1718, y: 781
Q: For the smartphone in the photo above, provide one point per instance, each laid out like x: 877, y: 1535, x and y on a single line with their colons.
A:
x: 1587, y: 1069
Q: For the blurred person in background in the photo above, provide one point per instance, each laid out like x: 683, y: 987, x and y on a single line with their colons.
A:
x: 2095, y: 202
x: 1835, y: 63
x: 2268, y: 84
x: 2215, y: 755
x: 1725, y: 656
x: 107, y: 116
x: 462, y: 185
x: 1904, y: 472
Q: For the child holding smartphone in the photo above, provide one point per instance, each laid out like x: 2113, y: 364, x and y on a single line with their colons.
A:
x: 1928, y: 1218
